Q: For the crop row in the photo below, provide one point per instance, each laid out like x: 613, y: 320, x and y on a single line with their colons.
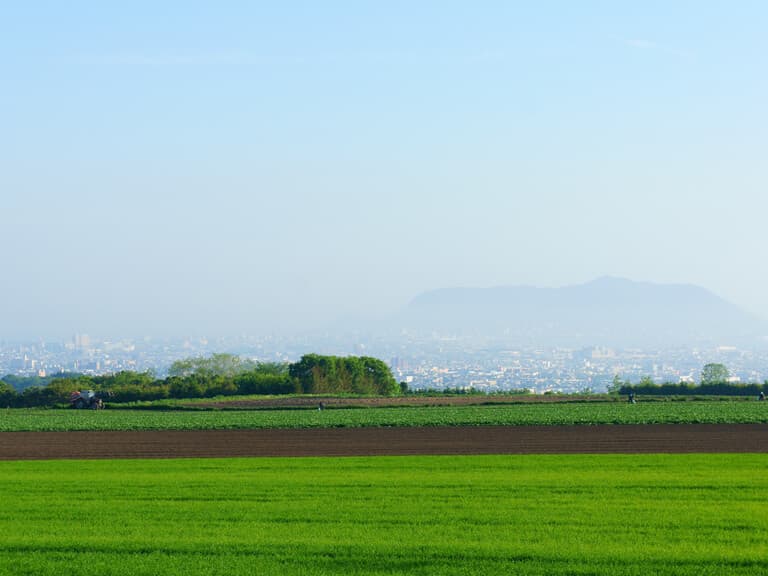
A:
x: 510, y: 415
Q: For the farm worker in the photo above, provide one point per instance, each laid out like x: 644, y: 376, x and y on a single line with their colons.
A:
x: 321, y: 407
x: 631, y: 397
x: 762, y: 396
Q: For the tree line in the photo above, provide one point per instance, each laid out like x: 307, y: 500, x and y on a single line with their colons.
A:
x: 714, y: 381
x: 685, y: 389
x: 219, y: 374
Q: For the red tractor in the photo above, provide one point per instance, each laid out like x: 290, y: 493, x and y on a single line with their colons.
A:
x: 86, y: 399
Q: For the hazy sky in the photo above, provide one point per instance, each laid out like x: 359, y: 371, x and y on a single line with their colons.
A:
x: 228, y: 167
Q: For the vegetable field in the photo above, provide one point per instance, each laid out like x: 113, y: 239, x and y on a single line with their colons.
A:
x: 516, y: 414
x: 578, y: 514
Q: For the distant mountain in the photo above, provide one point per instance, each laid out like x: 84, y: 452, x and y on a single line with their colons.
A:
x: 607, y: 311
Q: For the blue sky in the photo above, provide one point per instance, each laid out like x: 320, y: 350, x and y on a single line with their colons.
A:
x: 229, y: 167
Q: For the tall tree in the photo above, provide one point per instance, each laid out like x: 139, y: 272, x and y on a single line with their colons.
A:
x: 714, y: 374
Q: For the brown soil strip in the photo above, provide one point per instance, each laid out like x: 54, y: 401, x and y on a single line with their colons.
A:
x: 667, y: 438
x: 382, y: 401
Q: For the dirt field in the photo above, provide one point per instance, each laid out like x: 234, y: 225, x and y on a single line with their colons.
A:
x: 383, y: 401
x: 671, y: 438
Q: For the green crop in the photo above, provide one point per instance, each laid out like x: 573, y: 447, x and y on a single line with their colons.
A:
x: 517, y: 414
x: 578, y: 514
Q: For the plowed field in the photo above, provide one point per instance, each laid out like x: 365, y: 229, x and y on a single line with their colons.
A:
x: 388, y: 401
x: 672, y: 438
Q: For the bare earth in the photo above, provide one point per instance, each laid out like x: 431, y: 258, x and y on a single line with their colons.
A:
x: 384, y: 401
x: 667, y: 438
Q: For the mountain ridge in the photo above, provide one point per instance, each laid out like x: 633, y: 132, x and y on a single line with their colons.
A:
x: 607, y: 310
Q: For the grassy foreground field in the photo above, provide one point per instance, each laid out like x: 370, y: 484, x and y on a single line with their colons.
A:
x: 659, y: 514
x: 518, y: 414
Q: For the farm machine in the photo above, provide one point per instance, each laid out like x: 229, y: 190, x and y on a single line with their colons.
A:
x: 86, y: 399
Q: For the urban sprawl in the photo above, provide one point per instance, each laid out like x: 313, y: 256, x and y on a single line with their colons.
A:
x: 423, y: 363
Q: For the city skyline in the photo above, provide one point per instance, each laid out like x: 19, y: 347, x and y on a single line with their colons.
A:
x: 422, y: 363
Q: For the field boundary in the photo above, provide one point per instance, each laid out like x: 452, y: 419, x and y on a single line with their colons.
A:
x: 600, y: 439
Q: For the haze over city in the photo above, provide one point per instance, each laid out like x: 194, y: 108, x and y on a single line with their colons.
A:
x: 178, y: 169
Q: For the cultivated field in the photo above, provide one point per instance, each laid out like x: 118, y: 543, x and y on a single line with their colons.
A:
x: 258, y: 402
x: 631, y: 438
x: 304, y: 401
x: 560, y: 513
x: 578, y: 514
x: 495, y: 415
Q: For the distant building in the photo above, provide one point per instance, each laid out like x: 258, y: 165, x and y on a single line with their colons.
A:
x: 602, y: 353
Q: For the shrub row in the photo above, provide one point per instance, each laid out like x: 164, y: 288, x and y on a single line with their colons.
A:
x: 683, y: 389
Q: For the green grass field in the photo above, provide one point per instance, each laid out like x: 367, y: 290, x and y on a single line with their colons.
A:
x: 516, y: 414
x: 578, y: 514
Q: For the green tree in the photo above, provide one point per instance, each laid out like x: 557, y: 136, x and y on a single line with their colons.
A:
x: 316, y: 374
x: 714, y: 374
x: 271, y: 368
x: 216, y: 365
x: 616, y: 385
x: 7, y: 394
x: 125, y: 378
